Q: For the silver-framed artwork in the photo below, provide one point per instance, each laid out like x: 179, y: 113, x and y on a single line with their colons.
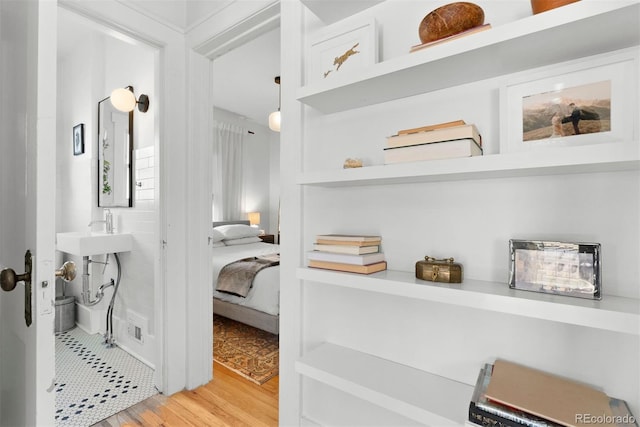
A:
x: 561, y: 268
x: 576, y: 103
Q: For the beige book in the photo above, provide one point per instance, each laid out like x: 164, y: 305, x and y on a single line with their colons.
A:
x: 346, y: 249
x: 432, y: 127
x: 347, y: 242
x: 432, y: 151
x: 437, y: 135
x: 349, y: 268
x: 545, y: 395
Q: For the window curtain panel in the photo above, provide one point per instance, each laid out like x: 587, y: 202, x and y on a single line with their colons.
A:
x: 227, y: 176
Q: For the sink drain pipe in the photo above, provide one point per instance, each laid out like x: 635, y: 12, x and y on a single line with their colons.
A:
x: 86, y: 294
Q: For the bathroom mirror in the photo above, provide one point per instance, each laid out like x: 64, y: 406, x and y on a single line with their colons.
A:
x: 115, y: 149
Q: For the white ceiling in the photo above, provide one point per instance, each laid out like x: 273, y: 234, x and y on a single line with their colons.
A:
x: 243, y: 78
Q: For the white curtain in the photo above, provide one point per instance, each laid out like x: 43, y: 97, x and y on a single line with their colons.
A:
x: 227, y: 176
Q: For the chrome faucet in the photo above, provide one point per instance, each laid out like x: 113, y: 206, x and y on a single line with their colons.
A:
x: 108, y: 221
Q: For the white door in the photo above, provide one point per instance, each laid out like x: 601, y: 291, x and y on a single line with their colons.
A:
x: 27, y: 208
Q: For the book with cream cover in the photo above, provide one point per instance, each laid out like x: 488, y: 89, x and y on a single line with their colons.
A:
x: 436, y: 135
x: 432, y: 151
x: 364, y: 259
x: 346, y: 249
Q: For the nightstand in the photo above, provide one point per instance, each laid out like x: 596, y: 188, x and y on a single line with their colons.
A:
x: 267, y: 238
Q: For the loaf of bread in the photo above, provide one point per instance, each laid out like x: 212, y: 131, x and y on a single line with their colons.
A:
x: 450, y: 19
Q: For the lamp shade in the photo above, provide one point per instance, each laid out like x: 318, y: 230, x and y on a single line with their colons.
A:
x: 254, y: 218
x: 123, y: 99
x: 274, y: 121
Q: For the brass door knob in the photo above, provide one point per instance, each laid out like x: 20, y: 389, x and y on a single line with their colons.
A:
x: 67, y: 272
x: 9, y: 279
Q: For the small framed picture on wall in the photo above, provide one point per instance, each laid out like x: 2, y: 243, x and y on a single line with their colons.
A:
x: 78, y: 139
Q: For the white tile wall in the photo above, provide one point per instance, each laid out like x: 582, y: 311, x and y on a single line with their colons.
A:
x: 145, y: 174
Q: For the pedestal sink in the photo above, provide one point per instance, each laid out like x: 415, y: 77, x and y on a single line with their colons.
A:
x: 87, y: 244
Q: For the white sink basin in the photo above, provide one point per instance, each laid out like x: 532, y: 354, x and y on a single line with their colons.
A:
x: 86, y: 244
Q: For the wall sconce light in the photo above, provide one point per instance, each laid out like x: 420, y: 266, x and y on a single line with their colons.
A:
x: 254, y: 218
x: 274, y: 118
x: 124, y: 100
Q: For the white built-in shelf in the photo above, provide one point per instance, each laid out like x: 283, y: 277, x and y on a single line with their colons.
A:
x: 574, y: 31
x: 612, y: 313
x: 416, y: 394
x: 330, y: 11
x: 606, y: 157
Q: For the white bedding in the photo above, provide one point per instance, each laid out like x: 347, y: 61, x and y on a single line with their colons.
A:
x: 265, y: 293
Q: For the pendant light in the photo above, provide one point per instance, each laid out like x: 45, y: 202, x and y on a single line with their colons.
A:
x: 274, y: 118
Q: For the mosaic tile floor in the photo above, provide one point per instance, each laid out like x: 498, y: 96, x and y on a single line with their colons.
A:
x: 94, y: 382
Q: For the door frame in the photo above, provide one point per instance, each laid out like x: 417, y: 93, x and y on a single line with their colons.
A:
x: 225, y: 30
x: 172, y: 171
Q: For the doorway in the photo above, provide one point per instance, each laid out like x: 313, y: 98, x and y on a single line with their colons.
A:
x: 92, y: 61
x: 243, y: 99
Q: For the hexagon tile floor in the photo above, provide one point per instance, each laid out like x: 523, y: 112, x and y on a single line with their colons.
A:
x: 94, y: 382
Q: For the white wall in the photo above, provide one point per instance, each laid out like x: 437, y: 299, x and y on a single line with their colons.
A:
x: 86, y: 76
x: 260, y: 169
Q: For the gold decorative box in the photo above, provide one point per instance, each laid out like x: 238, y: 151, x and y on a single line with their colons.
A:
x: 439, y: 270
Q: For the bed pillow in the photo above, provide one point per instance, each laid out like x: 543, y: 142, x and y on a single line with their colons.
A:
x: 237, y: 231
x: 242, y: 241
x: 218, y: 245
x: 216, y: 235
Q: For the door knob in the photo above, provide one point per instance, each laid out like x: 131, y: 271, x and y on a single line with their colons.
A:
x: 67, y: 272
x: 9, y: 279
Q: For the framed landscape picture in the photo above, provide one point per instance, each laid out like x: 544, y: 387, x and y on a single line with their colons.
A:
x: 578, y: 103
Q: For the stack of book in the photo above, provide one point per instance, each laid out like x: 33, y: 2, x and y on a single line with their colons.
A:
x: 439, y: 141
x: 347, y: 252
x: 511, y: 395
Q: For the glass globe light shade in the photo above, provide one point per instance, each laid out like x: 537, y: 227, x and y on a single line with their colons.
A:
x: 123, y: 100
x: 274, y: 121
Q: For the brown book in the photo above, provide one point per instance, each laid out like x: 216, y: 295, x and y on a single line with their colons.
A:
x: 470, y: 31
x: 432, y: 127
x: 350, y: 268
x: 545, y: 395
x: 347, y: 242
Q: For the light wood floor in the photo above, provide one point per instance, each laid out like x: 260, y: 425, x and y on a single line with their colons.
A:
x: 228, y: 400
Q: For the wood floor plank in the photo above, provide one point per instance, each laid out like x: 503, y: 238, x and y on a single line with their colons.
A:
x: 228, y: 400
x: 234, y: 415
x: 198, y: 411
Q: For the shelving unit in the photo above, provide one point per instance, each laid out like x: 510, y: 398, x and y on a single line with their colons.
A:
x: 418, y: 395
x: 528, y: 43
x: 611, y: 313
x: 585, y: 159
x: 322, y: 367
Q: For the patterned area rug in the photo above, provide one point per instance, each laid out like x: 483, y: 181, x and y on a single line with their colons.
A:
x: 251, y: 352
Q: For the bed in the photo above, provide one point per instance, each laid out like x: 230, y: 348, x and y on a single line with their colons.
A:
x: 261, y: 306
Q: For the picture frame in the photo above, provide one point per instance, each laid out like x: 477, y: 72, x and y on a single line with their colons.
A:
x: 559, y: 268
x: 545, y: 108
x: 78, y: 139
x: 342, y: 48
